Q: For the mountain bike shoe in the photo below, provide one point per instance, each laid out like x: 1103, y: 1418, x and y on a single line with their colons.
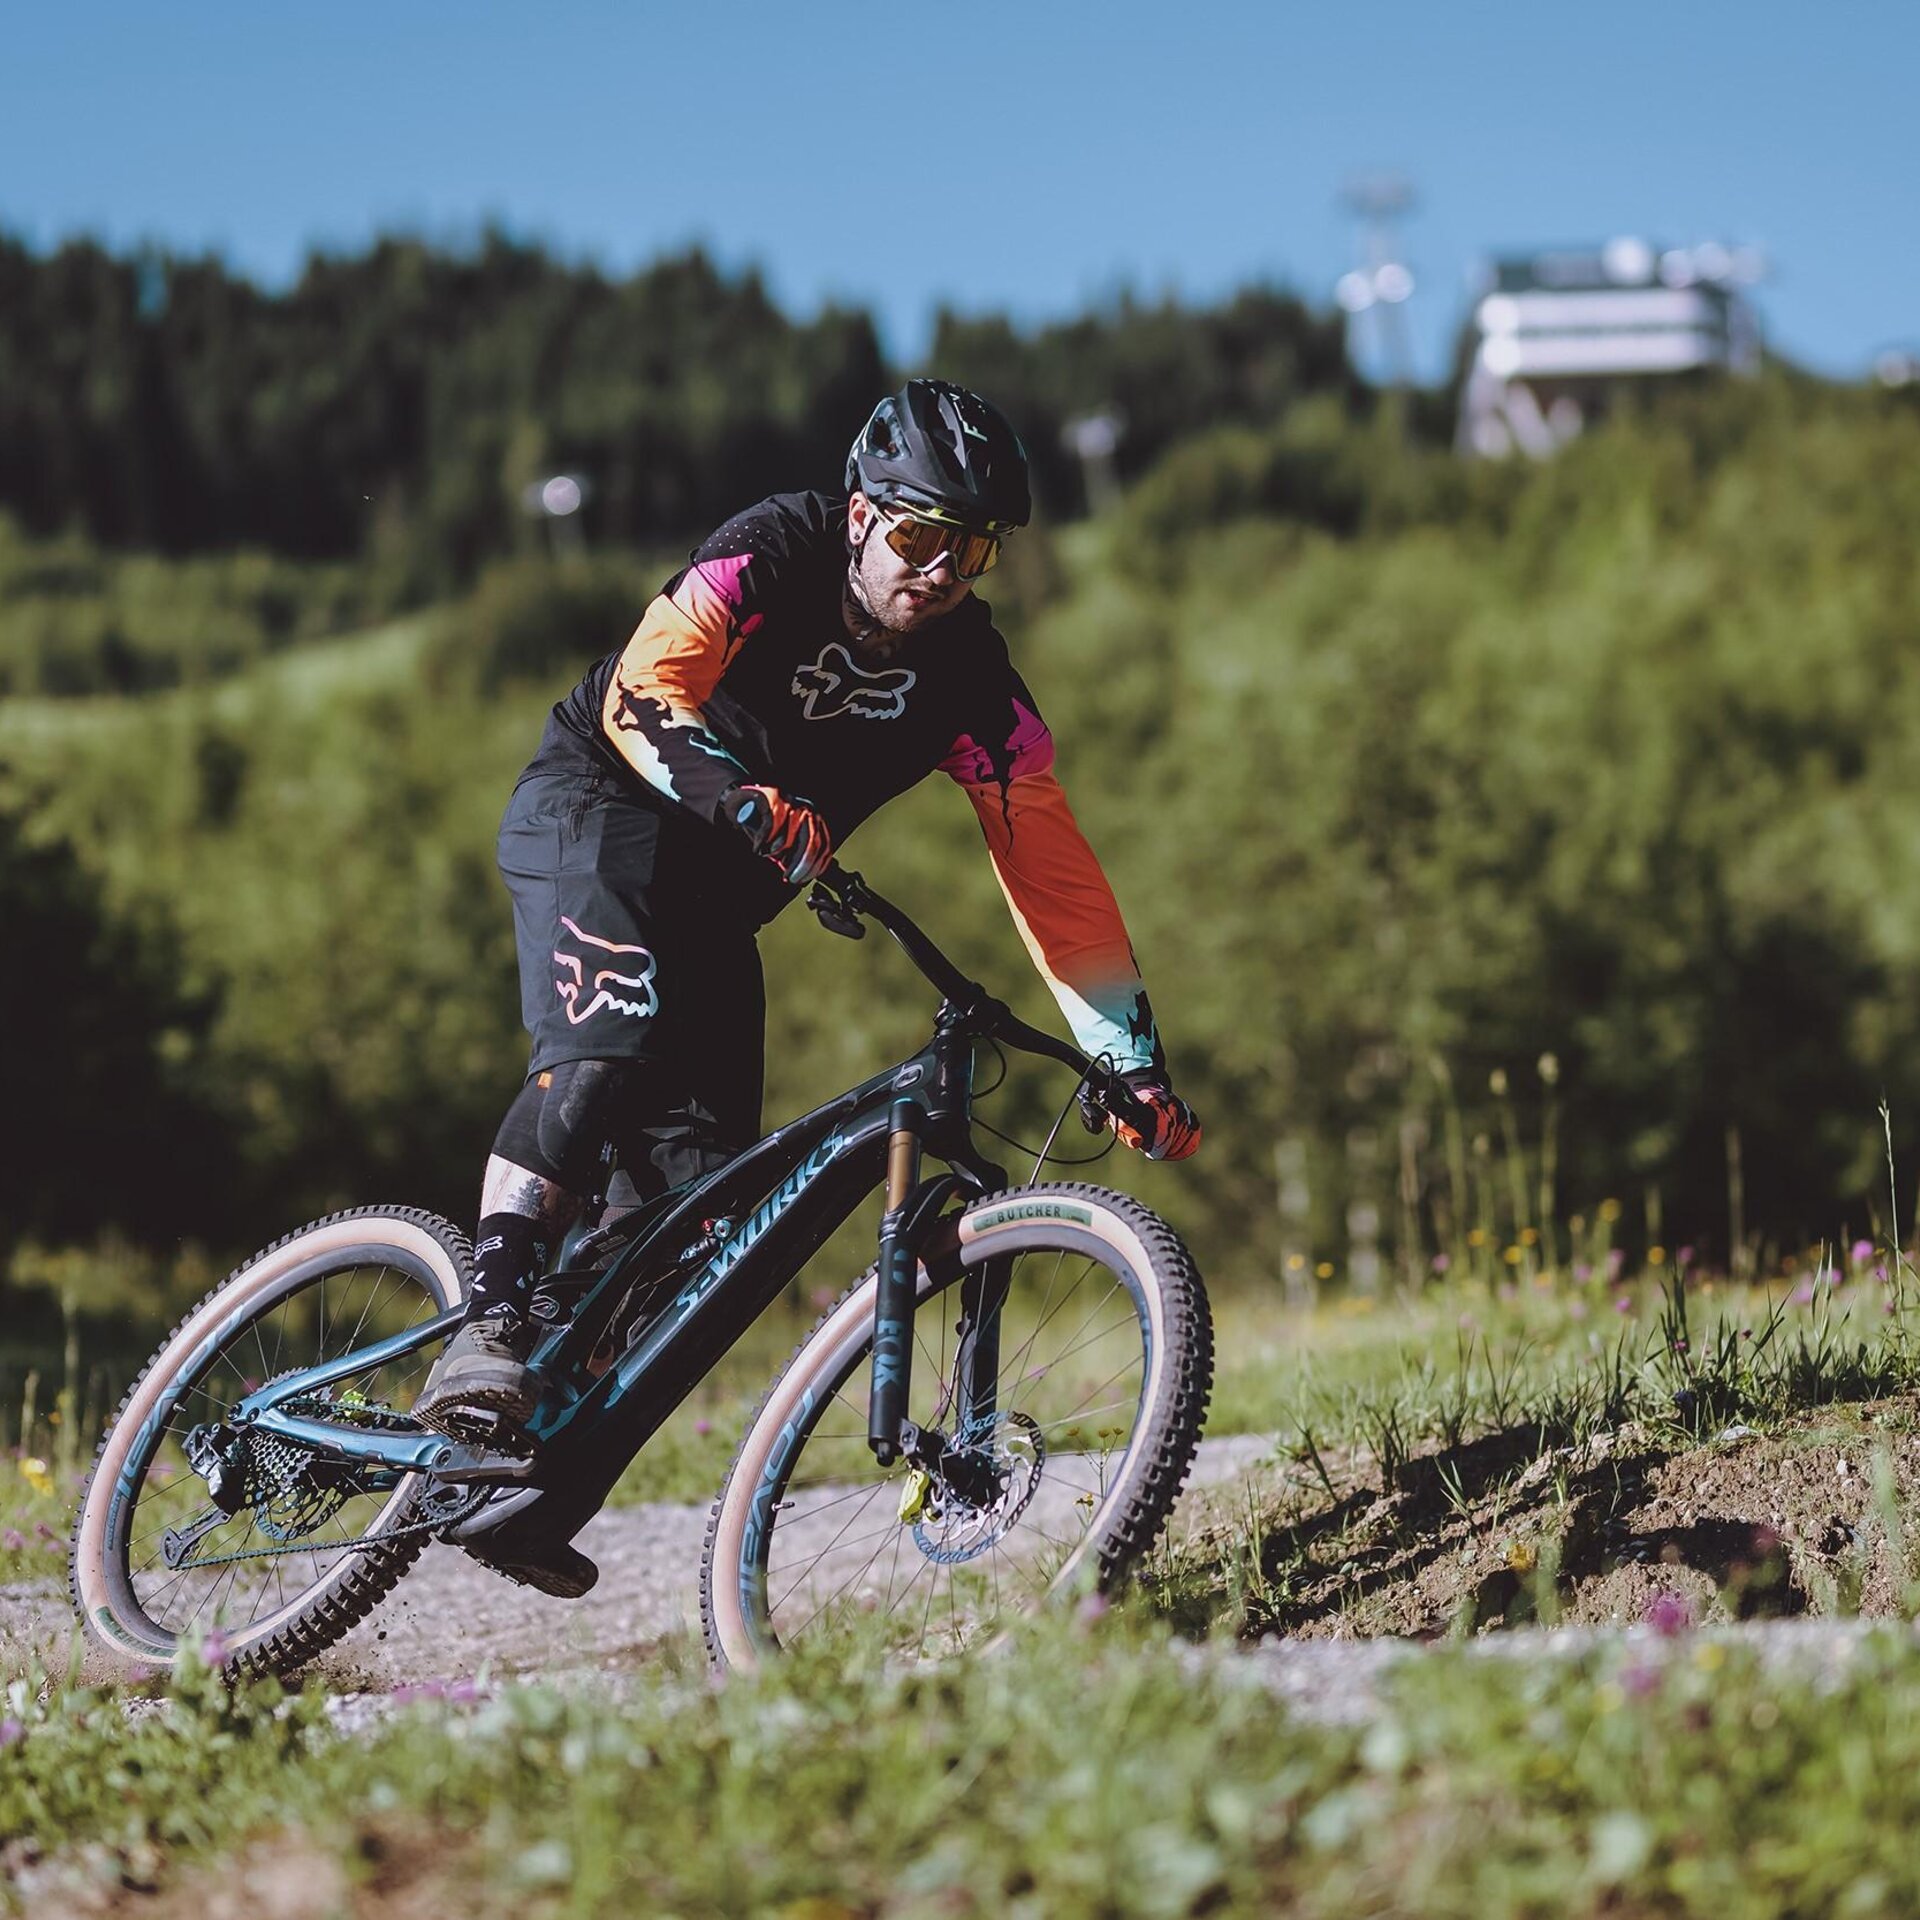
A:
x: 481, y: 1383
x: 558, y: 1569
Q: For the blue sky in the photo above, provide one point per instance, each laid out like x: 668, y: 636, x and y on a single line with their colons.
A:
x: 1030, y: 158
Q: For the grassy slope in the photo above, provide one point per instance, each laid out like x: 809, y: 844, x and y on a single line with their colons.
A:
x: 1090, y: 1771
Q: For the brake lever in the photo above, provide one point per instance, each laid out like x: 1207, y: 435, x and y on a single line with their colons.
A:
x: 827, y: 909
x: 1100, y: 1107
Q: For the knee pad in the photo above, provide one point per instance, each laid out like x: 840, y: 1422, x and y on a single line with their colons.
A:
x: 563, y: 1120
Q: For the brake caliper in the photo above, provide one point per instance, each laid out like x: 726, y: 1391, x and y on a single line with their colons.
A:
x: 913, y: 1495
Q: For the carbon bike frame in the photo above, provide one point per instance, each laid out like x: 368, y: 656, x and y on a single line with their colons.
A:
x: 778, y: 1202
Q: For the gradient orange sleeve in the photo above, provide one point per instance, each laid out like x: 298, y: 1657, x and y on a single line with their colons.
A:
x: 1060, y: 900
x: 655, y: 709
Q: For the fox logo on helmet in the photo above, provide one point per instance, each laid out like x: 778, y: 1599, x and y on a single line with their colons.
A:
x: 834, y: 684
x: 608, y: 978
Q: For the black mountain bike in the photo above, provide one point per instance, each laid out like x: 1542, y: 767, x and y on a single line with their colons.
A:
x: 1003, y: 1407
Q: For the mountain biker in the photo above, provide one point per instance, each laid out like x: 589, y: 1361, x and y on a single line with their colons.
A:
x: 821, y: 654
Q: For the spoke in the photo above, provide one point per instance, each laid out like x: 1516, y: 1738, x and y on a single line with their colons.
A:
x: 800, y: 1573
x: 1080, y: 1346
x: 1039, y: 1325
x: 1077, y: 1332
x: 353, y: 1339
x: 868, y: 1487
x: 926, y: 1613
x: 893, y: 1574
x: 259, y: 1347
x: 844, y: 1587
x: 1086, y: 1413
x: 851, y: 1520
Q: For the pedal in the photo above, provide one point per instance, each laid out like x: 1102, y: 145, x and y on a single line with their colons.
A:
x: 474, y: 1423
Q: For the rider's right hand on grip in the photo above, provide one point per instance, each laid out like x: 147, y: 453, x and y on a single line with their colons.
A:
x: 783, y: 828
x: 1145, y: 1114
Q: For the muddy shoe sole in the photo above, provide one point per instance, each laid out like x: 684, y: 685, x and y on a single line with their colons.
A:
x: 564, y: 1572
x: 477, y: 1399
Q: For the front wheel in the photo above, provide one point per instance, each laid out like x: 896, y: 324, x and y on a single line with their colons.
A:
x: 1063, y: 1353
x: 302, y: 1548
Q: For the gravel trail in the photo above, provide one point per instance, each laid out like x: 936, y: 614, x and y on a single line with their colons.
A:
x: 450, y: 1619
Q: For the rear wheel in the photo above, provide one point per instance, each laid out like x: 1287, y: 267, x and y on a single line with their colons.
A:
x: 310, y: 1547
x: 1051, y: 1471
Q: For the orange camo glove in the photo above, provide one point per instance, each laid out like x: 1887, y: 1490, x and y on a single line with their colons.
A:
x: 787, y: 830
x: 1176, y: 1128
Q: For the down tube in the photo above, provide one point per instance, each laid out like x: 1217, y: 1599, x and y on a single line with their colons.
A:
x: 590, y: 1446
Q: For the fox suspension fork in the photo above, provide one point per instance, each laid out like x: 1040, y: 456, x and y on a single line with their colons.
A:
x: 893, y: 1296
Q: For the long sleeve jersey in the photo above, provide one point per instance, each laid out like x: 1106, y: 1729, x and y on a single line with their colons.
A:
x: 742, y: 670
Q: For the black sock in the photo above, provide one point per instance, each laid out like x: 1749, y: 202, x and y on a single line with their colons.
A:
x: 509, y: 1254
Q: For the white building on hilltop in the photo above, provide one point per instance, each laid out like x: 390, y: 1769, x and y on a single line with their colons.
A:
x: 1554, y: 335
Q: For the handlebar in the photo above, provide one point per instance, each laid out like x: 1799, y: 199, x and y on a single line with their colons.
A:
x: 842, y: 900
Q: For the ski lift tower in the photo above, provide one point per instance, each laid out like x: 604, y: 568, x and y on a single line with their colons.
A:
x: 1384, y: 284
x: 1556, y: 336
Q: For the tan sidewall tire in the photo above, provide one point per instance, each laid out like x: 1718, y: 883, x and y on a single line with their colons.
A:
x: 430, y: 1249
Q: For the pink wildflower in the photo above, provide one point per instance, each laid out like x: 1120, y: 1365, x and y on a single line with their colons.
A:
x: 10, y: 1731
x: 1621, y: 1304
x: 1441, y: 1263
x: 213, y: 1649
x: 703, y: 1427
x: 1637, y: 1682
x: 1668, y: 1613
x: 1862, y: 1252
x: 13, y: 1540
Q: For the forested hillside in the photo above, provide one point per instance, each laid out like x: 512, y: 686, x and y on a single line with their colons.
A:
x: 393, y: 406
x: 1412, y: 777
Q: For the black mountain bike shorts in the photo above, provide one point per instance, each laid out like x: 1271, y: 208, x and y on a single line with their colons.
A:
x: 629, y: 951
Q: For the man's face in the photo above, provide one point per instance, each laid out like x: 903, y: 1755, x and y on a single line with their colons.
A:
x: 899, y: 597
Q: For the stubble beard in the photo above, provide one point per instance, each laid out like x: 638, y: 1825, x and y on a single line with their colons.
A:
x: 874, y: 630
x: 880, y: 613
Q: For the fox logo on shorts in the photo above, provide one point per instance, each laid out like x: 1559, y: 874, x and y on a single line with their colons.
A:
x: 834, y: 684
x: 610, y: 977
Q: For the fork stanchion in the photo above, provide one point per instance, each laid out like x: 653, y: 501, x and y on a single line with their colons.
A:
x: 893, y: 1299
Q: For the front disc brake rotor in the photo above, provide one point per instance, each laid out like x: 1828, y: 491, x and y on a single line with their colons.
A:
x: 950, y: 1528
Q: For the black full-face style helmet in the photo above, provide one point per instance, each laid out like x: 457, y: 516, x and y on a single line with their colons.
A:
x: 946, y: 453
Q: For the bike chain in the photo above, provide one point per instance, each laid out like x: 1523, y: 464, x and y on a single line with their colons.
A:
x: 459, y: 1513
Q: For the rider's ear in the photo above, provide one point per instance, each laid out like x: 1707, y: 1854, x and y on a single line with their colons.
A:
x: 859, y: 517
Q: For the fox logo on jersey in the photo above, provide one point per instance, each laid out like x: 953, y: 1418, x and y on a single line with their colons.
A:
x: 611, y: 977
x: 834, y: 684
